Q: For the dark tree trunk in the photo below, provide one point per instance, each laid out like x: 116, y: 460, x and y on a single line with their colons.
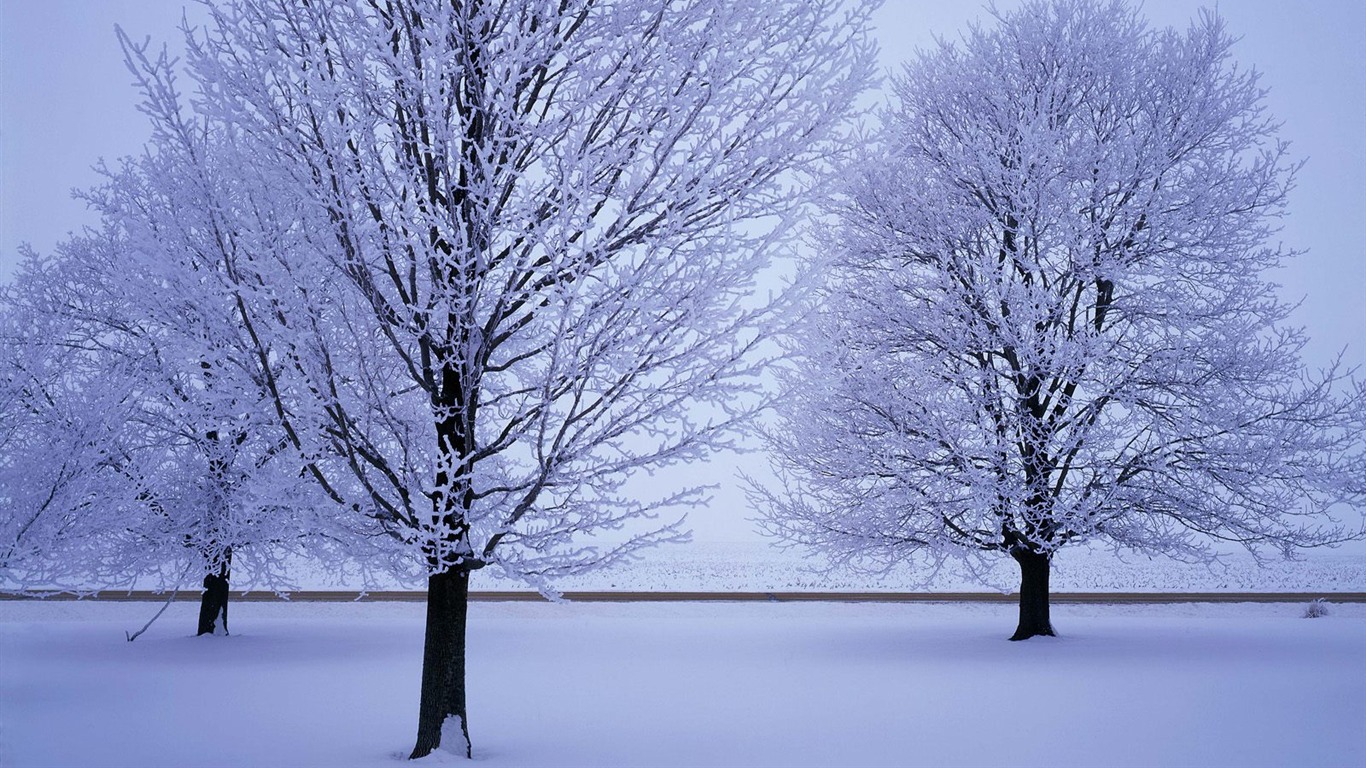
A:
x: 213, y: 604
x: 441, y: 715
x: 1034, y: 620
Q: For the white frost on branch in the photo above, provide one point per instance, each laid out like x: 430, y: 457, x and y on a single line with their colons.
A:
x: 499, y: 258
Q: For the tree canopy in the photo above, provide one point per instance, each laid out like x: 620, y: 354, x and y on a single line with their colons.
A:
x: 1046, y: 315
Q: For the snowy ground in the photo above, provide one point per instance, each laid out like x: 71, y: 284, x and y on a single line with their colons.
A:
x: 691, y: 684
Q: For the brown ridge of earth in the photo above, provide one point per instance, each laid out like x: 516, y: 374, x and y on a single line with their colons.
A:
x: 326, y: 596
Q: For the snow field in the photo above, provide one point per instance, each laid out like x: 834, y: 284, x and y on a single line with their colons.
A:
x: 758, y: 566
x: 690, y: 685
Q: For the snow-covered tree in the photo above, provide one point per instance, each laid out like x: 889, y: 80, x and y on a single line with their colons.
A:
x: 1045, y: 316
x: 500, y: 256
x: 135, y: 447
x: 140, y: 445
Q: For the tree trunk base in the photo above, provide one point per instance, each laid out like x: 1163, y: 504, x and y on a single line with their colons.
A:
x: 1034, y: 617
x: 213, y: 606
x: 1024, y: 633
x: 441, y: 722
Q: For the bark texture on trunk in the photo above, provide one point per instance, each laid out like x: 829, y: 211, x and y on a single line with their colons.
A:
x: 443, y: 666
x: 213, y: 603
x: 1034, y: 571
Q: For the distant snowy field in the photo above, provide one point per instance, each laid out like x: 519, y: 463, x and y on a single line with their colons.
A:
x: 759, y: 567
x: 690, y: 684
x: 756, y: 566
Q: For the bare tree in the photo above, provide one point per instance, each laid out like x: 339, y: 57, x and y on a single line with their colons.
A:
x: 1046, y: 321
x: 496, y: 258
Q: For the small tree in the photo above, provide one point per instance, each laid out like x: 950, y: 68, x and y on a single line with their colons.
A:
x: 138, y: 443
x: 1044, y: 317
x: 497, y: 257
x: 134, y: 445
